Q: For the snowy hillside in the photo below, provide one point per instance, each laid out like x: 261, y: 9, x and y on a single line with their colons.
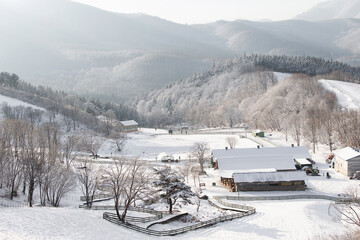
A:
x: 332, y: 9
x: 12, y: 102
x: 348, y: 94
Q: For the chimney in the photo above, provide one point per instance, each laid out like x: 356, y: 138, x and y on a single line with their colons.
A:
x: 258, y: 146
x: 226, y: 148
x: 292, y: 145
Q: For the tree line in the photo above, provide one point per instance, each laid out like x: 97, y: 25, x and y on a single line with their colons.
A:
x: 76, y: 109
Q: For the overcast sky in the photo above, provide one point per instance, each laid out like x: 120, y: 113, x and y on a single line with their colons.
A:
x: 204, y: 11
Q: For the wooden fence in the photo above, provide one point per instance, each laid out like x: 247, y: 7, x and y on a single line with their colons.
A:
x: 98, y: 196
x: 158, y: 215
x: 287, y: 197
x: 113, y: 218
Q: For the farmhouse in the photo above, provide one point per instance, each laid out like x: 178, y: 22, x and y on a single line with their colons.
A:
x: 129, y: 126
x: 259, y: 169
x: 347, y: 161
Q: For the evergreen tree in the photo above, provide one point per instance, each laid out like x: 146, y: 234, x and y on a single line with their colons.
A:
x: 172, y: 187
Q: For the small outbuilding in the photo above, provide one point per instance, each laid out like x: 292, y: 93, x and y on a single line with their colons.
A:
x: 300, y: 163
x: 165, y: 157
x: 258, y: 133
x: 129, y: 126
x: 347, y: 161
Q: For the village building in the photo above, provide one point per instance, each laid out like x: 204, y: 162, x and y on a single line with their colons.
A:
x: 258, y: 133
x: 347, y: 161
x: 268, y: 168
x: 129, y: 126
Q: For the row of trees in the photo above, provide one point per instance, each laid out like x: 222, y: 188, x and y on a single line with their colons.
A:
x: 302, y: 108
x: 75, y: 109
x: 28, y: 159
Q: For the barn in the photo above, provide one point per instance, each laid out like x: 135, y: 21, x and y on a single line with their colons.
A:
x: 129, y: 126
x: 269, y: 180
x: 261, y: 169
x: 347, y: 161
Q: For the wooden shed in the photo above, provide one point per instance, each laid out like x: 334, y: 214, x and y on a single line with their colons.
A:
x: 347, y: 161
x: 258, y: 133
x: 129, y: 126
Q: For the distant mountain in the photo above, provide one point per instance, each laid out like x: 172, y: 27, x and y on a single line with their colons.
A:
x: 332, y: 9
x: 331, y: 39
x: 75, y: 47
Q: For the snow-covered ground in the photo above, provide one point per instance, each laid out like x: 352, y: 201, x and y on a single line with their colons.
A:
x: 149, y: 143
x: 348, y: 94
x: 286, y: 219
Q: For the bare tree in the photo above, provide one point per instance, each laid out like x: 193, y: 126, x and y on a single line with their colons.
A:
x: 115, y: 179
x: 127, y: 179
x: 70, y: 150
x: 36, y: 154
x: 327, y: 126
x: 109, y: 119
x: 90, y: 144
x: 349, y: 209
x: 61, y: 181
x: 138, y: 180
x: 200, y: 151
x: 185, y: 170
x: 312, y: 126
x: 295, y: 128
x: 119, y: 139
x: 89, y: 177
x: 232, y: 141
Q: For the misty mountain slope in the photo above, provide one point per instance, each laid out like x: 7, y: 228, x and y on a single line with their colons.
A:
x: 291, y: 37
x: 332, y: 9
x: 59, y: 42
x: 71, y: 46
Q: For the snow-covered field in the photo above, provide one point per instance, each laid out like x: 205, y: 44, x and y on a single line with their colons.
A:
x: 149, y: 143
x: 348, y: 94
x: 287, y: 219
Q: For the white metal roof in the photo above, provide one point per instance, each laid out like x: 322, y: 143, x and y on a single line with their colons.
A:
x: 347, y: 153
x: 262, y: 162
x: 129, y: 123
x: 302, y: 161
x: 295, y: 152
x: 269, y: 176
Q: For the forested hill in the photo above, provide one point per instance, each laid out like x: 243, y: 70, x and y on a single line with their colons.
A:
x: 304, y: 64
x: 228, y: 89
x: 71, y: 106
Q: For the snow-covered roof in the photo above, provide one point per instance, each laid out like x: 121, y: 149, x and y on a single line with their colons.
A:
x: 269, y: 176
x: 302, y: 161
x: 229, y: 173
x: 129, y: 123
x: 295, y: 152
x: 347, y: 153
x: 262, y: 162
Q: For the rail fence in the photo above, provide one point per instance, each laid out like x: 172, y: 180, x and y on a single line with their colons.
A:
x: 288, y: 197
x: 241, y: 207
x: 95, y: 197
x: 158, y: 215
x: 113, y: 218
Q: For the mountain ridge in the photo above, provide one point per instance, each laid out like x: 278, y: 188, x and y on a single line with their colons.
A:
x: 96, y: 52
